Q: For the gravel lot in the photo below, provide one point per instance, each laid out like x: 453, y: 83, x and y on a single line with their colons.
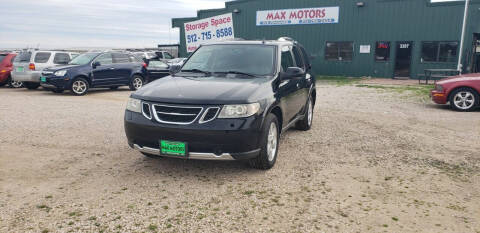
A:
x: 374, y: 161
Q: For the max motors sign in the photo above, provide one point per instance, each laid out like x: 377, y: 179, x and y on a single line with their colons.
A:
x: 321, y: 15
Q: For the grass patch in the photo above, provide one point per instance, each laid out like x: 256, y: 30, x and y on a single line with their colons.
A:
x: 152, y: 227
x: 44, y: 207
x: 338, y: 80
x: 422, y: 91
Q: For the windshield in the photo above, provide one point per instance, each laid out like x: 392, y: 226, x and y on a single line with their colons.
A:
x: 2, y: 56
x: 23, y: 57
x: 83, y: 59
x: 251, y: 59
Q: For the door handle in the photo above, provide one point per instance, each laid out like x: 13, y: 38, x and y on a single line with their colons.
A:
x: 112, y: 68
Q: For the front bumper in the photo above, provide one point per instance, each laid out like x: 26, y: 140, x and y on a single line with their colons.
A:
x: 55, y: 82
x: 220, y: 139
x: 438, y: 97
x: 27, y: 76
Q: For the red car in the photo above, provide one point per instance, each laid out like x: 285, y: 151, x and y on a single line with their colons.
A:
x: 462, y: 92
x: 6, y: 66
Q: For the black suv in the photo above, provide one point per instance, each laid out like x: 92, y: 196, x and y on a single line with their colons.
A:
x: 96, y: 69
x: 229, y: 101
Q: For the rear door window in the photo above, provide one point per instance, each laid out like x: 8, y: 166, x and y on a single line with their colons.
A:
x: 120, y: 58
x: 42, y: 57
x: 105, y: 59
x: 61, y: 58
x: 23, y: 57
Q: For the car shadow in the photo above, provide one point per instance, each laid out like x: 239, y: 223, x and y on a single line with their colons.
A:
x: 445, y: 107
x: 193, y: 168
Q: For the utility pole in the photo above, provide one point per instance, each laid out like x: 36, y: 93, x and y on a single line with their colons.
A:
x: 462, y: 40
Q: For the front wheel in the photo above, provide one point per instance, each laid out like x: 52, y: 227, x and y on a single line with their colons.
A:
x: 269, y: 141
x: 31, y: 86
x: 136, y: 83
x: 306, y: 123
x: 464, y: 99
x: 79, y: 86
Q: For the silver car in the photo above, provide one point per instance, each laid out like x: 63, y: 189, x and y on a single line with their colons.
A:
x: 28, y: 65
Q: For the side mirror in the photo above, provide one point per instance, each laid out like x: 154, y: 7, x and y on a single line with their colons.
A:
x: 292, y: 72
x: 96, y: 64
x: 174, y: 69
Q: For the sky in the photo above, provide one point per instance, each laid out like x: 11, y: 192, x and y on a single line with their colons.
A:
x: 94, y: 23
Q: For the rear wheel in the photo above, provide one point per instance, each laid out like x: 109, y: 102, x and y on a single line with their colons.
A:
x: 14, y: 84
x: 79, y: 86
x: 136, y: 83
x: 464, y: 99
x: 306, y: 123
x: 269, y: 141
x: 31, y: 86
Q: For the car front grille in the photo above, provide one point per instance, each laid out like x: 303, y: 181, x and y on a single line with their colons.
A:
x: 180, y: 115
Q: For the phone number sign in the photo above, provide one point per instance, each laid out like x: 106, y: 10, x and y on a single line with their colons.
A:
x: 216, y: 28
x: 323, y: 15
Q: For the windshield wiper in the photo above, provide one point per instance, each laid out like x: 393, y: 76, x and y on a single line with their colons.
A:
x: 240, y: 73
x: 197, y: 71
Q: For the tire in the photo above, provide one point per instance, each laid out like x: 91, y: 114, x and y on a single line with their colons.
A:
x: 57, y: 91
x: 31, y: 86
x: 4, y: 83
x: 269, y: 142
x: 136, y: 83
x: 306, y: 123
x: 79, y: 87
x: 151, y: 156
x: 14, y: 84
x: 464, y: 99
x: 113, y: 88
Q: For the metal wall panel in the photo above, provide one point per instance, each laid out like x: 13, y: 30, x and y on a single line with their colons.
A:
x: 378, y: 20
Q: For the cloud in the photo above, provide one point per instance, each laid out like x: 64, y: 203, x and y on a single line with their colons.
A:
x: 94, y: 23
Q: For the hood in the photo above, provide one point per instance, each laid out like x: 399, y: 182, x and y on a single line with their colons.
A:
x: 204, y: 90
x: 463, y: 77
x: 60, y: 67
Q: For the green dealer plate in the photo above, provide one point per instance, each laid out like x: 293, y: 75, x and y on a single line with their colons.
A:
x: 43, y: 79
x: 173, y: 148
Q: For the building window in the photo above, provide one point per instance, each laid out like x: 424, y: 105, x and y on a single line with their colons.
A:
x: 437, y: 51
x: 382, y: 51
x: 339, y: 51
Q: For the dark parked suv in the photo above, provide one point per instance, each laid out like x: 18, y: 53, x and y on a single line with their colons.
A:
x: 92, y: 70
x: 229, y: 101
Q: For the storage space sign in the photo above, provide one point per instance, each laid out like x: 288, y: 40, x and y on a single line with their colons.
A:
x: 298, y: 16
x: 216, y: 28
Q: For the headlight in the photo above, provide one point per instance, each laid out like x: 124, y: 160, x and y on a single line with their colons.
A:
x: 239, y: 111
x: 439, y: 87
x: 60, y: 73
x: 134, y: 105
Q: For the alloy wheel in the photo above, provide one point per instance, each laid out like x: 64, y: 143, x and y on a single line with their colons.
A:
x: 137, y: 83
x: 464, y: 100
x: 310, y: 112
x: 272, y: 141
x: 16, y: 84
x: 79, y: 87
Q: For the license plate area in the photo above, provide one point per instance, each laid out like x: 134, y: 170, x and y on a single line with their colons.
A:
x: 43, y: 79
x: 19, y: 69
x: 171, y: 148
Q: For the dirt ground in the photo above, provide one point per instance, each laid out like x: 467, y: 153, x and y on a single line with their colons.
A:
x: 374, y: 161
